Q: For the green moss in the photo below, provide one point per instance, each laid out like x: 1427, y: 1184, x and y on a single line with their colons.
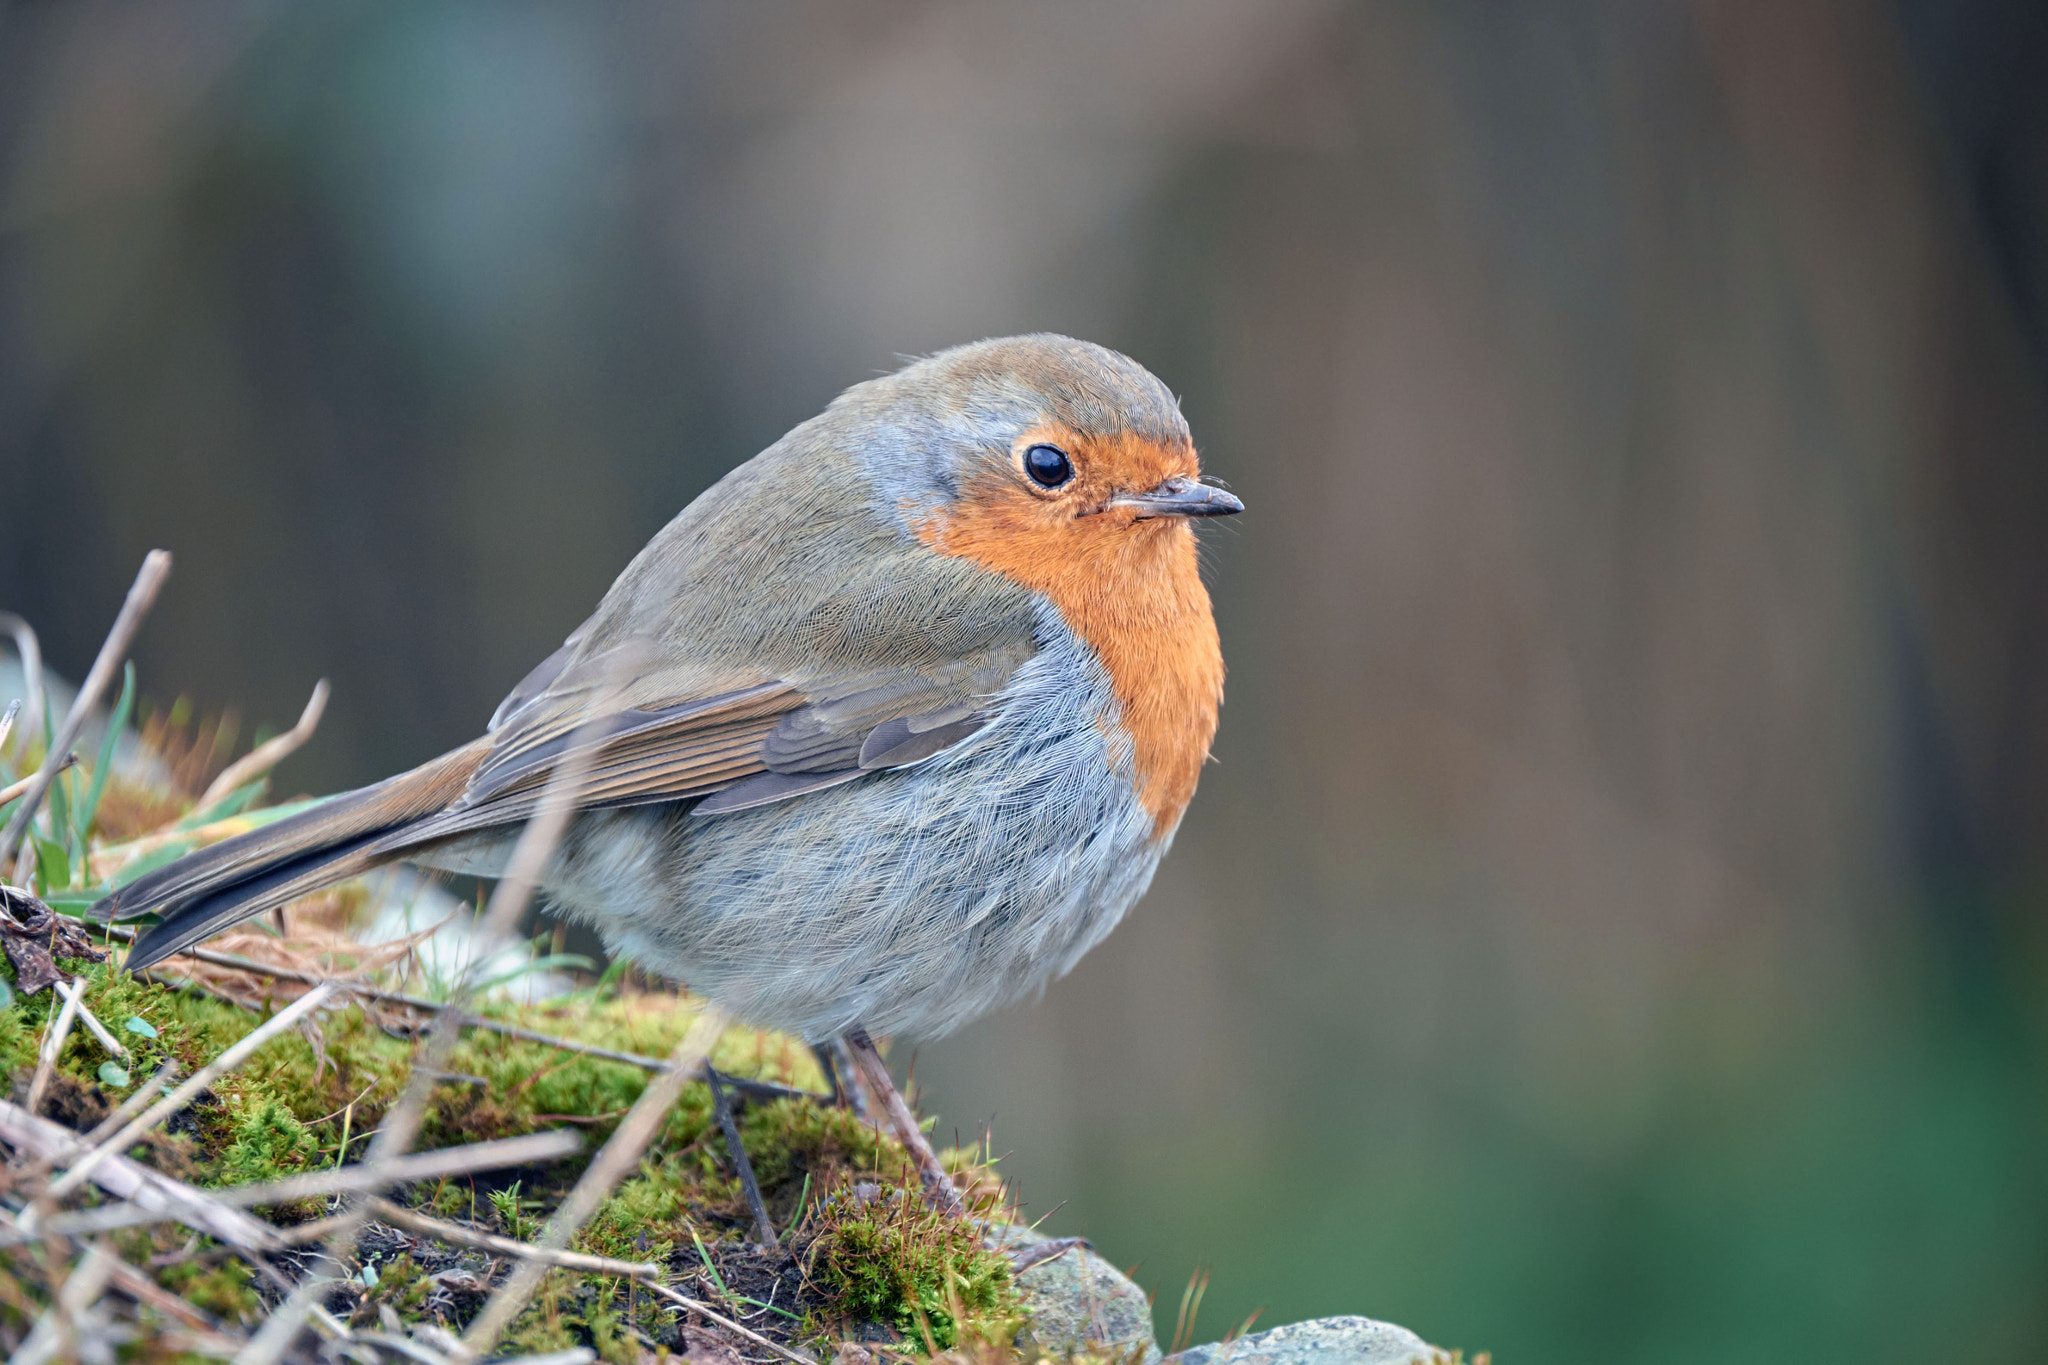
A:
x: 890, y: 1258
x: 268, y: 1142
x: 511, y: 1215
x: 312, y: 1097
x: 225, y: 1289
x: 604, y: 1318
x: 544, y: 1328
x: 259, y: 1119
x: 401, y: 1285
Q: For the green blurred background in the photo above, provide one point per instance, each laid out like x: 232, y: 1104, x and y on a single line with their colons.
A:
x: 1613, y: 929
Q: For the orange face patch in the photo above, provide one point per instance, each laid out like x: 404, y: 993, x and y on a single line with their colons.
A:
x: 1130, y: 588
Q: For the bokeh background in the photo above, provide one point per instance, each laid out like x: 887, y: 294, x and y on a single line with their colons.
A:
x: 1613, y: 928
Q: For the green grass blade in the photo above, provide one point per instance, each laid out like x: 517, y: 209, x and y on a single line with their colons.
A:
x: 57, y: 808
x: 231, y: 804
x: 53, y: 863
x: 709, y: 1268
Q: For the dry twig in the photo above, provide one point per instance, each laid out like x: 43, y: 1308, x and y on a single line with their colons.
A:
x: 270, y: 753
x: 54, y: 1038
x: 508, y: 902
x: 173, y: 1199
x: 398, y: 1216
x: 14, y: 789
x: 753, y: 1089
x: 156, y: 1085
x: 56, y: 1332
x: 530, y: 1150
x: 156, y: 567
x: 705, y: 1309
x: 31, y: 651
x: 72, y: 990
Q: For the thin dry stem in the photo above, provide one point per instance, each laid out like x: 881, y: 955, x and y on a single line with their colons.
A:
x: 938, y: 1182
x: 382, y: 996
x: 508, y: 902
x: 156, y: 567
x: 14, y: 789
x: 281, y: 1328
x: 448, y: 1161
x: 31, y: 651
x: 399, y: 1216
x: 132, y: 1181
x: 54, y: 1039
x: 133, y: 1105
x: 55, y: 1334
x: 270, y: 753
x: 72, y: 990
x: 699, y: 1306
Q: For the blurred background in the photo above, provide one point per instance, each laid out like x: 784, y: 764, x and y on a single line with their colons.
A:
x: 1613, y: 928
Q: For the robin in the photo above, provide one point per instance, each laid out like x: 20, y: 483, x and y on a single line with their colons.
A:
x: 890, y: 726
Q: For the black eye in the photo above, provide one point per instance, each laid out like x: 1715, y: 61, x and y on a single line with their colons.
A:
x: 1048, y: 466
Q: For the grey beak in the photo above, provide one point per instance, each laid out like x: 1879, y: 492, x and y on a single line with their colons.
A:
x: 1180, y: 496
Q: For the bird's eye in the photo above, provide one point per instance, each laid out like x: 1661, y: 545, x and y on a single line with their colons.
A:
x: 1048, y: 466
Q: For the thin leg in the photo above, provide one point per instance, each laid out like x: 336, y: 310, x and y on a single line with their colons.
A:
x: 938, y: 1183
x: 764, y: 1231
x: 843, y: 1076
x: 822, y: 1053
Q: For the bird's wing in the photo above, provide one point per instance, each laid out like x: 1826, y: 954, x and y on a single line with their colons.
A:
x: 744, y: 747
x: 778, y: 633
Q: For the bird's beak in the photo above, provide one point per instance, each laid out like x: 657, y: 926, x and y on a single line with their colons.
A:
x: 1180, y: 496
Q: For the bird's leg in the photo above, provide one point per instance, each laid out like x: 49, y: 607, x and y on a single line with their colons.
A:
x: 764, y: 1231
x: 843, y: 1076
x: 938, y: 1183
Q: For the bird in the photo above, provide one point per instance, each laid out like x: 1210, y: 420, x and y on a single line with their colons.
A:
x: 883, y: 731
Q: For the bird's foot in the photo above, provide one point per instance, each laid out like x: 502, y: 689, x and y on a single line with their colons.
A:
x: 939, y: 1189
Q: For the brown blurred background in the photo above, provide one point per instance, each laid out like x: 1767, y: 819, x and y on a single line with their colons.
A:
x: 1613, y: 928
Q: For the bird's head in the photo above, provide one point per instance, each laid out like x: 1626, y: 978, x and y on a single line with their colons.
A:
x: 1040, y: 456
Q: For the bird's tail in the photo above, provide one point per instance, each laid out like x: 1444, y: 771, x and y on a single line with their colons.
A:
x: 206, y: 891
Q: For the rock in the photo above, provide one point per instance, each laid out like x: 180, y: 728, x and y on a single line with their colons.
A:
x: 1079, y: 1303
x: 1319, y: 1341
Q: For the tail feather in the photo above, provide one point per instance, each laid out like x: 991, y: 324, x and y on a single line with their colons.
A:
x: 207, y: 891
x: 216, y: 909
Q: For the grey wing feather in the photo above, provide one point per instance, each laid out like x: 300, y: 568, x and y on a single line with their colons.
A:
x: 875, y: 724
x: 535, y: 684
x: 764, y: 788
x: 899, y: 743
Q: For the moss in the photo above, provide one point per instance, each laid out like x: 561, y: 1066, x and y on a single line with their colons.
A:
x: 314, y: 1096
x: 401, y: 1285
x: 268, y: 1142
x: 226, y: 1289
x: 605, y: 1319
x: 544, y: 1328
x: 349, y: 1071
x: 893, y: 1259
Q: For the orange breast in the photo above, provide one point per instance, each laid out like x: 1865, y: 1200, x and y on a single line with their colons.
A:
x: 1133, y: 591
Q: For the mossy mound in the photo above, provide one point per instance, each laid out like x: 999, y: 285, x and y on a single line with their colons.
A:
x: 860, y: 1255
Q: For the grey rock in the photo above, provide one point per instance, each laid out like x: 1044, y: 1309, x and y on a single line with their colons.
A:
x: 1078, y: 1302
x: 1320, y: 1341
